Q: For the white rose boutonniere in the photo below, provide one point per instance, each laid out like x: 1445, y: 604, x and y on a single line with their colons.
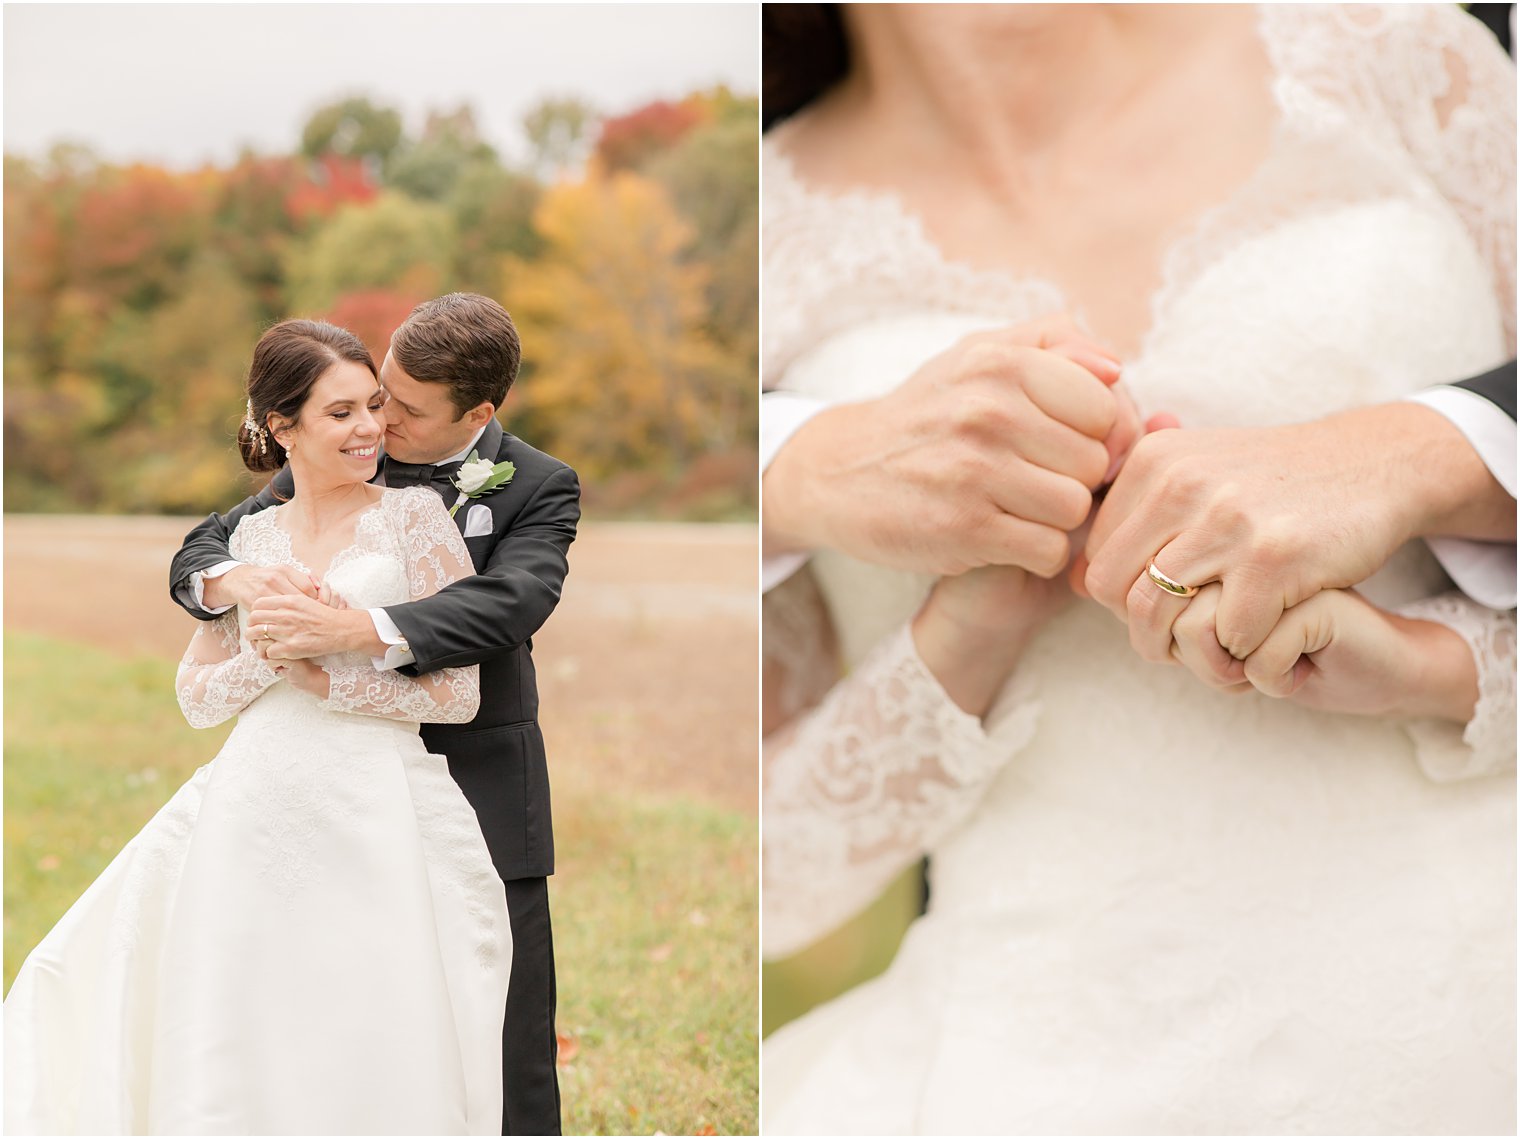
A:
x: 477, y: 476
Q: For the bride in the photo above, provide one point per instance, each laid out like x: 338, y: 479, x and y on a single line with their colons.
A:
x: 1154, y: 908
x: 309, y: 937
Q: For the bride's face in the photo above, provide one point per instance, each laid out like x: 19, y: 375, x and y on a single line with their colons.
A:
x: 337, y: 436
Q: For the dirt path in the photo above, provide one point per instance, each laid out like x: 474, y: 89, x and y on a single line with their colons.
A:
x: 648, y: 669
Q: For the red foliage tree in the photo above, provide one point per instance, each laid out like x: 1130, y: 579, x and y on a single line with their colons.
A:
x: 628, y: 141
x: 331, y: 181
x: 134, y: 230
x: 372, y: 315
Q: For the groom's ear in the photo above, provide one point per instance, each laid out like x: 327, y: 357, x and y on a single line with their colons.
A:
x: 479, y: 415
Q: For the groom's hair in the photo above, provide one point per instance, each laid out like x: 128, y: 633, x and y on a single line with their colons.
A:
x: 463, y: 340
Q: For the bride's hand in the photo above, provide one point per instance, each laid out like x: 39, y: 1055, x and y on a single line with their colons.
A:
x: 1339, y: 653
x: 327, y: 595
x: 973, y: 628
x: 306, y: 675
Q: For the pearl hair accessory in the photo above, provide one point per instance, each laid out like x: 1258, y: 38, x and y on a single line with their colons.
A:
x: 256, y: 431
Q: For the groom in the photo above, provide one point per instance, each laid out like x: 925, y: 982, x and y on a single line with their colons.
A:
x: 448, y: 370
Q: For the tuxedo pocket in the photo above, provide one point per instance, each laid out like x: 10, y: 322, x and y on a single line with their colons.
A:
x: 478, y: 521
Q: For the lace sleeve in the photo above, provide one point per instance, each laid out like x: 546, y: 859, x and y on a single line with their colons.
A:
x: 1451, y: 90
x: 435, y: 556
x: 1486, y: 746
x: 867, y: 780
x: 1432, y: 82
x: 219, y: 676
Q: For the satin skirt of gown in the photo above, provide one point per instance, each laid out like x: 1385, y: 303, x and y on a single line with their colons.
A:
x: 309, y: 938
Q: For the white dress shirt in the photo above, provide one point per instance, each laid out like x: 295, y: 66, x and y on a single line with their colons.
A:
x: 1485, y: 571
x: 399, y: 653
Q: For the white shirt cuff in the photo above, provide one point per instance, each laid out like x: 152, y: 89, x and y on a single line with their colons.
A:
x: 198, y: 583
x: 1485, y: 571
x: 400, y: 652
x: 781, y: 414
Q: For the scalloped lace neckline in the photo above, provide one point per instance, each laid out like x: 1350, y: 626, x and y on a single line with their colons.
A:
x: 339, y: 556
x: 1193, y: 234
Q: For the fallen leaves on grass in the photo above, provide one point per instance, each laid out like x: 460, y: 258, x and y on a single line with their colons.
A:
x: 569, y: 1048
x: 662, y: 952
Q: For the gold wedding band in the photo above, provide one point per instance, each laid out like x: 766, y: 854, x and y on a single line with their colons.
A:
x: 1175, y: 588
x: 268, y: 636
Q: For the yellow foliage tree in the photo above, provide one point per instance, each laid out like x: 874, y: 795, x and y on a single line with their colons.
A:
x: 618, y: 372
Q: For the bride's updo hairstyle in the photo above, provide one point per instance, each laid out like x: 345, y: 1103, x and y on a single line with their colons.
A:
x: 806, y: 52
x: 288, y: 359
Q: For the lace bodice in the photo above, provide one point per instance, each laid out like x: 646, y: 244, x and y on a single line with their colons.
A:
x: 405, y: 548
x: 1370, y: 254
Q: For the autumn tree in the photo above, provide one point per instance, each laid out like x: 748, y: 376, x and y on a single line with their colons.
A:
x: 372, y: 315
x: 622, y: 373
x: 629, y: 142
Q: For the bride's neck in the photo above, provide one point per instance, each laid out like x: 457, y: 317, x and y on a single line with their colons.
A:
x: 316, y: 508
x: 995, y: 85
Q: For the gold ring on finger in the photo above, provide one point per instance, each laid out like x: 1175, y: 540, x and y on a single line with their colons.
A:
x: 1175, y: 588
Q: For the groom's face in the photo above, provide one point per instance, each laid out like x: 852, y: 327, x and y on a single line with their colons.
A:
x: 422, y: 425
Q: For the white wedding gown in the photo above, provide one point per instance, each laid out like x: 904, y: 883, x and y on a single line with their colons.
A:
x: 309, y: 938
x: 1155, y: 908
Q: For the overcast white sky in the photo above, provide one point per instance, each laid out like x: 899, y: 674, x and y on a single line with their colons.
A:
x: 182, y: 84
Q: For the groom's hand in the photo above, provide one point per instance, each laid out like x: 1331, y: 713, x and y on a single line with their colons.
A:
x: 1274, y: 515
x: 245, y: 584
x: 294, y: 627
x: 987, y: 455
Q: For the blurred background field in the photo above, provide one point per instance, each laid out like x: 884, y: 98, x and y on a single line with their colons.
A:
x: 180, y: 177
x: 648, y: 678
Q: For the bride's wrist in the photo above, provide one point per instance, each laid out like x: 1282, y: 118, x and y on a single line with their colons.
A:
x: 1443, y: 684
x: 970, y: 663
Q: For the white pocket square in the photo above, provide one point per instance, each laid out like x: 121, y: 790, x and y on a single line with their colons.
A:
x: 478, y: 521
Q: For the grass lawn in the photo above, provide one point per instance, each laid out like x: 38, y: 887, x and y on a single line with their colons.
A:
x: 655, y: 900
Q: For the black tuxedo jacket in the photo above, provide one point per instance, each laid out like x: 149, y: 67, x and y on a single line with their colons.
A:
x: 489, y: 619
x: 1498, y: 387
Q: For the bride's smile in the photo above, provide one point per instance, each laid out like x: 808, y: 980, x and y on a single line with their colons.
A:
x: 335, y: 441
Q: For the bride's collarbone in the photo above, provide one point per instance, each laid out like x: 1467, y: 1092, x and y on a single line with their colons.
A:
x: 315, y: 544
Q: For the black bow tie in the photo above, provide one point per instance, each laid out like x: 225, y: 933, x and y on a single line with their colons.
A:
x: 439, y: 477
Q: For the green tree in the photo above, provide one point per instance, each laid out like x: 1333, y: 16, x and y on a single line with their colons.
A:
x: 493, y: 216
x: 558, y: 130
x: 713, y: 178
x: 395, y: 243
x: 352, y: 128
x: 431, y: 167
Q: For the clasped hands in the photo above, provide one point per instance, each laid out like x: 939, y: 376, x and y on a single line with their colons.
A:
x: 293, y: 617
x: 981, y: 469
x: 1273, y: 525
